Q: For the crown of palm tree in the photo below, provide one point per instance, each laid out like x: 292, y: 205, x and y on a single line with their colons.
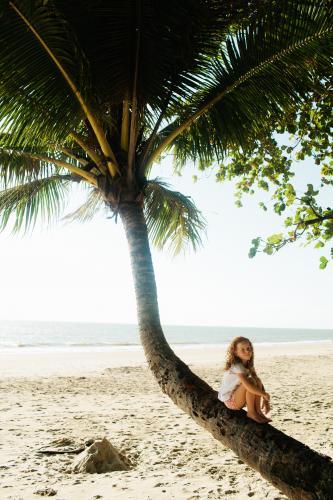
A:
x: 95, y: 91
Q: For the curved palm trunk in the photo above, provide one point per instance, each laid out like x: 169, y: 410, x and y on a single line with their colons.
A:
x: 289, y: 465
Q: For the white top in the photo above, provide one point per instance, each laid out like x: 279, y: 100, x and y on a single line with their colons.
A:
x: 230, y: 381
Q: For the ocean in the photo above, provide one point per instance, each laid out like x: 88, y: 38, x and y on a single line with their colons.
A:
x: 36, y: 336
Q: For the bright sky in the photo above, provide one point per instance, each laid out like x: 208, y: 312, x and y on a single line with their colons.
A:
x: 81, y: 272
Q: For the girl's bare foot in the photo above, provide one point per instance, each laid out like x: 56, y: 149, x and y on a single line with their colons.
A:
x: 264, y: 417
x: 257, y: 418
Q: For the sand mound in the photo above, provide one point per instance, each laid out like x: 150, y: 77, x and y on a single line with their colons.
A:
x: 99, y: 457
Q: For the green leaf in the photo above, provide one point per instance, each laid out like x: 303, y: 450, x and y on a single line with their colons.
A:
x: 268, y: 250
x: 263, y: 206
x: 279, y: 208
x: 323, y: 262
x: 256, y: 242
x: 288, y: 222
x: 310, y: 191
x: 275, y: 239
x: 252, y: 252
x: 290, y: 194
x: 263, y: 185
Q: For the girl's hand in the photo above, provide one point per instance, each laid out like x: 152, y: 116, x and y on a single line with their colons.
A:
x: 265, y: 406
x: 266, y: 396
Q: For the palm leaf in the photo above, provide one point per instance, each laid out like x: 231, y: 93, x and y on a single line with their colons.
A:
x: 30, y: 79
x: 94, y: 45
x: 17, y: 167
x: 263, y: 70
x: 41, y: 200
x: 172, y: 218
x: 89, y: 209
x: 175, y: 38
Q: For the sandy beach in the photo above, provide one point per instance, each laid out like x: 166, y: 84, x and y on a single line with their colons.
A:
x: 80, y: 396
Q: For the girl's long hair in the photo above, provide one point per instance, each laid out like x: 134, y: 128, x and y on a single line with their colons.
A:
x: 231, y: 357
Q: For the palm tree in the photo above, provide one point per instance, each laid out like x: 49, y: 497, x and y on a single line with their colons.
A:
x: 95, y: 91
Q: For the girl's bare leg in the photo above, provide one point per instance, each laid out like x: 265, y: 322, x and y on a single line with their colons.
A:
x: 239, y: 396
x: 257, y: 402
x: 257, y: 405
x: 251, y: 408
x: 243, y: 397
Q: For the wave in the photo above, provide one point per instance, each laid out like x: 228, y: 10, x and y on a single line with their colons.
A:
x: 65, y: 344
x: 70, y: 346
x: 78, y: 344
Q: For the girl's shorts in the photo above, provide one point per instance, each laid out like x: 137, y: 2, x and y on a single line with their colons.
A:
x: 231, y: 404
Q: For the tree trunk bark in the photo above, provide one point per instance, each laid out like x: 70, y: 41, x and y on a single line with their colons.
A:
x: 293, y: 468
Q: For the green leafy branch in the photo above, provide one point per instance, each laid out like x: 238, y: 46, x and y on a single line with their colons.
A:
x: 265, y: 164
x: 309, y: 218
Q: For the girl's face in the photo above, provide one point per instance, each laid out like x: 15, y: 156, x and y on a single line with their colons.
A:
x: 243, y: 351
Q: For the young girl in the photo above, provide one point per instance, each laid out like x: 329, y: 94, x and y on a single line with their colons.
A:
x: 240, y: 384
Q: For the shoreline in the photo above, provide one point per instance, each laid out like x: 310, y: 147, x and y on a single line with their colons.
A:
x: 20, y: 363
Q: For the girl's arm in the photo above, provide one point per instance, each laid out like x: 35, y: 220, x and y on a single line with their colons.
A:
x: 257, y: 380
x: 252, y: 387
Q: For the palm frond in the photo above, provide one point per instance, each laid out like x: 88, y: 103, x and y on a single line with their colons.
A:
x: 36, y: 102
x: 263, y: 69
x: 88, y: 210
x: 17, y: 167
x: 175, y: 39
x: 23, y: 165
x: 42, y: 200
x: 94, y: 123
x: 72, y: 155
x: 172, y: 218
